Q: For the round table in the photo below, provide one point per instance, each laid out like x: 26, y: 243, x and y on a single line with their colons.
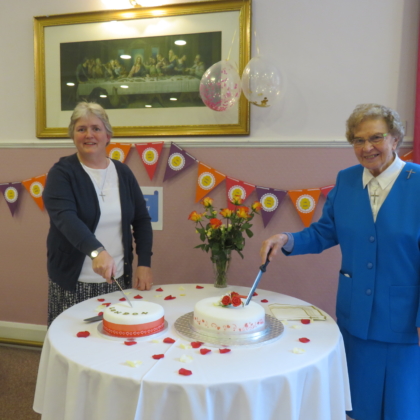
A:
x: 89, y: 378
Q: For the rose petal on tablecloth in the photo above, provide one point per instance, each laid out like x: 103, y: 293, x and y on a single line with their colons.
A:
x: 158, y: 356
x: 181, y: 288
x: 185, y: 346
x: 296, y: 327
x: 196, y: 344
x: 130, y: 343
x: 159, y: 290
x: 305, y: 321
x: 185, y: 359
x: 83, y: 334
x: 199, y: 287
x: 298, y: 350
x: 222, y: 351
x: 133, y: 363
x: 170, y: 297
x: 264, y: 300
x: 138, y: 297
x: 205, y: 351
x: 304, y: 340
x: 184, y: 372
x: 155, y: 340
x: 169, y: 340
x: 158, y: 296
x: 122, y: 299
x: 182, y: 294
x: 101, y: 300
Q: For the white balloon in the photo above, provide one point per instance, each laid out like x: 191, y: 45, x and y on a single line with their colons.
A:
x: 261, y: 82
x: 220, y: 86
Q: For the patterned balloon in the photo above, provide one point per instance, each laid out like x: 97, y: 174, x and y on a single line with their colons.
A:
x: 261, y: 82
x: 220, y: 86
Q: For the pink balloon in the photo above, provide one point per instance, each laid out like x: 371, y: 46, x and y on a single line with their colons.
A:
x: 220, y: 86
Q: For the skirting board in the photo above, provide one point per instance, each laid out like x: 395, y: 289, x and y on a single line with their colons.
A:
x: 22, y: 334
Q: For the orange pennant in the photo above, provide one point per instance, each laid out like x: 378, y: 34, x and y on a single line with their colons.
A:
x: 408, y: 157
x: 118, y: 151
x: 305, y: 202
x: 208, y: 179
x: 149, y: 154
x: 35, y: 187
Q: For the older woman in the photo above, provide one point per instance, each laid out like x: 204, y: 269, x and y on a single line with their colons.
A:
x: 373, y: 213
x: 96, y: 207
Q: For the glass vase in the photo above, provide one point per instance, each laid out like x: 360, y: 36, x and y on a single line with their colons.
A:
x: 221, y: 261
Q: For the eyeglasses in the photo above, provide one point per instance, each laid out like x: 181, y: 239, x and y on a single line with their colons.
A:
x: 373, y: 140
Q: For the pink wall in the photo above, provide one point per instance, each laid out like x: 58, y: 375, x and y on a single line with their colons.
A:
x: 312, y: 278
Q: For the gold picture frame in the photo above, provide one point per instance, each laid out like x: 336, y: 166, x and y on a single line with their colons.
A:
x: 59, y: 39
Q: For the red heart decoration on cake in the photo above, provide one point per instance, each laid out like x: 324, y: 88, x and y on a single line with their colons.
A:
x: 158, y: 356
x: 122, y: 299
x: 184, y: 372
x: 159, y: 290
x: 130, y: 343
x: 83, y: 334
x: 199, y: 287
x: 170, y: 297
x: 196, y: 344
x: 138, y: 297
x: 305, y: 321
x: 100, y: 313
x: 264, y: 300
x: 169, y: 340
x: 224, y: 351
x: 304, y: 340
x: 205, y: 351
x: 101, y: 300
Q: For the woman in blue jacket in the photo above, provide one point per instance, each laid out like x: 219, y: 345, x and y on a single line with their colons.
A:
x: 373, y: 213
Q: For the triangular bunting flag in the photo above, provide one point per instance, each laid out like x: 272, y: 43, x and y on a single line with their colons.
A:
x: 305, y: 202
x: 178, y: 160
x: 236, y: 188
x: 150, y: 154
x: 11, y: 192
x: 270, y: 200
x: 118, y: 151
x: 326, y: 190
x: 208, y: 179
x: 408, y: 157
x: 35, y: 187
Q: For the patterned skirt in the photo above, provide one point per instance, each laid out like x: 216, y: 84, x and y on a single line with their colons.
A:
x: 60, y: 299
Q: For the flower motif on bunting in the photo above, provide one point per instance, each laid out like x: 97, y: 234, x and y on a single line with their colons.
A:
x: 305, y: 203
x: 11, y: 192
x: 149, y: 154
x: 118, y: 151
x: 35, y: 187
x: 178, y: 161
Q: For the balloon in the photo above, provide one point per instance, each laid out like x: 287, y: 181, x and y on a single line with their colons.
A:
x: 261, y: 82
x: 220, y: 86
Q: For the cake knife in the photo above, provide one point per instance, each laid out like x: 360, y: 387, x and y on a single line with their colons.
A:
x: 122, y: 291
x: 258, y: 278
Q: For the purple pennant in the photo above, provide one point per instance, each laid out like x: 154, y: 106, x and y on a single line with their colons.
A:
x: 11, y: 193
x: 270, y: 200
x: 178, y: 160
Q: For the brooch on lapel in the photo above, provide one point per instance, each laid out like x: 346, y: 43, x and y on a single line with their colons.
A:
x: 409, y: 173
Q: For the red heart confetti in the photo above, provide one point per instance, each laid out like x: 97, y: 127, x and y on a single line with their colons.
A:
x: 169, y: 340
x: 224, y: 351
x: 184, y: 372
x: 205, y: 351
x: 100, y: 313
x: 122, y: 299
x: 158, y: 356
x: 106, y: 304
x: 196, y: 344
x: 83, y: 334
x: 101, y: 300
x: 138, y: 297
x: 255, y: 294
x: 304, y: 340
x: 199, y: 287
x: 130, y: 343
x: 305, y: 321
x: 264, y: 300
x: 159, y: 290
x: 170, y: 297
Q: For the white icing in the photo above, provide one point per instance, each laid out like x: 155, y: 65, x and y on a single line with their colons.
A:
x: 228, y: 320
x: 141, y: 313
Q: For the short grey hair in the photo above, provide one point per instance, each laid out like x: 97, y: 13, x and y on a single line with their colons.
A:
x: 85, y: 109
x: 366, y: 112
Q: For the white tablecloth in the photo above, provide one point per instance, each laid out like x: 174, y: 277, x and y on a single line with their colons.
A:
x: 88, y: 378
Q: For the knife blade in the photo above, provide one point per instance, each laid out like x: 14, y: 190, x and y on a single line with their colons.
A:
x: 94, y: 318
x: 122, y: 291
x: 263, y: 268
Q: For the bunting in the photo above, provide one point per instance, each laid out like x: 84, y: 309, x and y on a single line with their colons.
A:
x: 326, y: 190
x: 305, y: 202
x: 408, y: 157
x: 35, y: 187
x: 118, y: 151
x: 11, y: 193
x: 178, y: 161
x: 208, y: 179
x: 270, y: 200
x: 237, y: 189
x: 149, y: 154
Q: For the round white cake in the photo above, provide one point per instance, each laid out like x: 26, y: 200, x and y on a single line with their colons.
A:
x: 144, y: 318
x: 209, y: 316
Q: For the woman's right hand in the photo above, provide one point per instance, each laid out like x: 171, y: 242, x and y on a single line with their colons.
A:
x: 104, y: 265
x: 274, y: 243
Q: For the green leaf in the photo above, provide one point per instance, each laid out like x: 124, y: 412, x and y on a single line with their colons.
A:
x: 240, y: 253
x: 249, y: 233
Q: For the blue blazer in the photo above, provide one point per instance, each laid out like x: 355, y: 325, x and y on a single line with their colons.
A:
x: 379, y: 281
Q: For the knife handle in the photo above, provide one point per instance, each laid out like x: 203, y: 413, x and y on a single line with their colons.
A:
x: 263, y: 267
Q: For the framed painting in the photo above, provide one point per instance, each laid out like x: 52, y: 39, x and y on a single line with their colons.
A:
x: 143, y: 65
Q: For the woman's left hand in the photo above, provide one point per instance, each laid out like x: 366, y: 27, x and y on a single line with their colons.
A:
x: 143, y: 278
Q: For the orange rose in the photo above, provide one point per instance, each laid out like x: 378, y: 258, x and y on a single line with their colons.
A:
x: 207, y: 202
x: 256, y: 206
x: 226, y: 212
x: 194, y: 216
x: 236, y: 200
x: 215, y: 223
x: 243, y: 212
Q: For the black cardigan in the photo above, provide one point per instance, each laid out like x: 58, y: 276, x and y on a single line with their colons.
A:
x: 72, y: 204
